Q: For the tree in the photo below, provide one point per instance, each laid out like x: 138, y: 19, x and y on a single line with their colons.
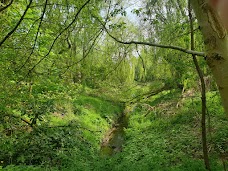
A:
x: 216, y: 43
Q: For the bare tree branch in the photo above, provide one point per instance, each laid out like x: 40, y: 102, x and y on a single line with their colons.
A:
x: 17, y: 25
x: 192, y: 52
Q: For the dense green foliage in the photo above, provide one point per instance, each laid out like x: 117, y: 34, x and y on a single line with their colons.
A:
x: 165, y: 138
x: 66, y: 83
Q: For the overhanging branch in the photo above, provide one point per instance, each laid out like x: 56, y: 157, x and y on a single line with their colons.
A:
x: 192, y: 52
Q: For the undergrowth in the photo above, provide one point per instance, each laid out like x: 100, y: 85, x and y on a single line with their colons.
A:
x: 163, y: 137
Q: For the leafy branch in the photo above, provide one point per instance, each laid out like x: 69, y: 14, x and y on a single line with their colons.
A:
x: 38, y: 30
x: 17, y: 25
x: 57, y: 37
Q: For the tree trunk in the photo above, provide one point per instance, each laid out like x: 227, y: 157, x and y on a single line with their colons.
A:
x: 216, y: 42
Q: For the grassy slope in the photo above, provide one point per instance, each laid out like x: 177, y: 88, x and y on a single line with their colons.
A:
x: 172, y: 142
x: 165, y: 138
x: 68, y: 137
